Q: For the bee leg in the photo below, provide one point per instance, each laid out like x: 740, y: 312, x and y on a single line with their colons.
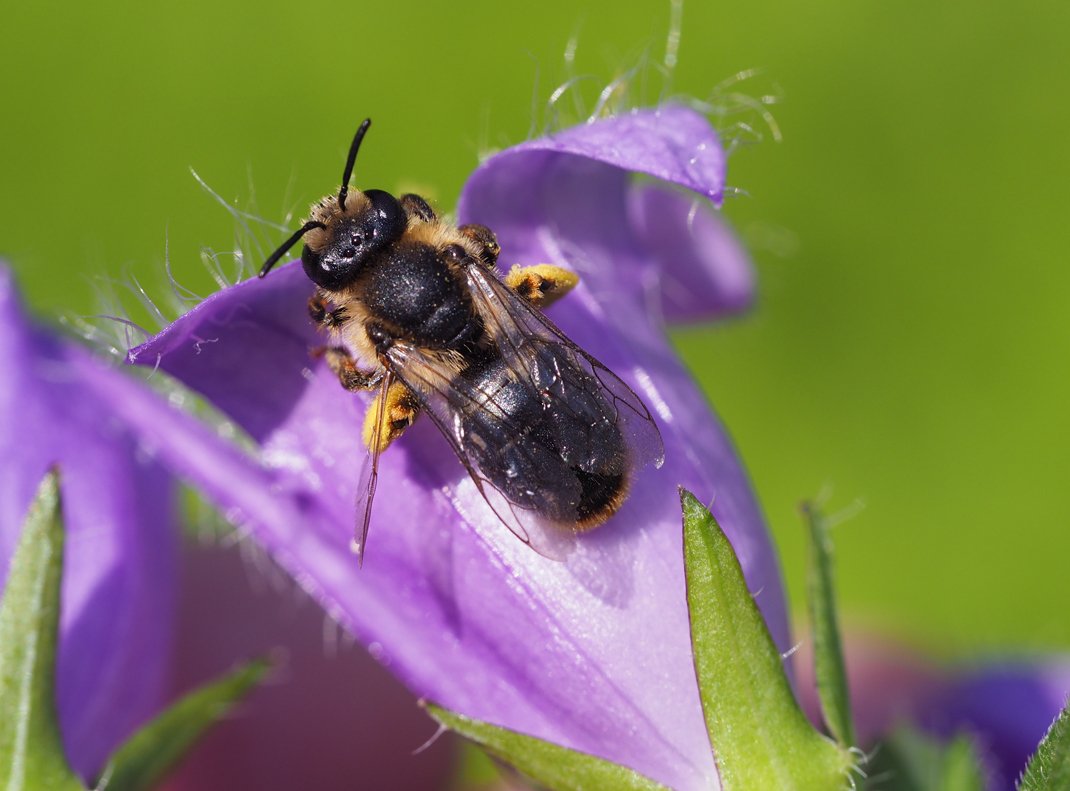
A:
x: 389, y: 422
x: 345, y: 368
x: 414, y: 205
x: 542, y: 284
x: 319, y: 312
x: 487, y: 241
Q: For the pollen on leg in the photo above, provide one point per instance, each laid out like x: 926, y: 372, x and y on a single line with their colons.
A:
x: 401, y: 410
x: 541, y: 284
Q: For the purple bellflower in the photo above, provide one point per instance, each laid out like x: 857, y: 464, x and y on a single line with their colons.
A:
x: 1004, y: 706
x: 127, y: 645
x: 594, y: 652
x: 59, y: 405
x: 327, y: 719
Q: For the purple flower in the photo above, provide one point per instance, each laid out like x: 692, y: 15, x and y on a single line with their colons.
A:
x: 595, y: 652
x: 60, y: 405
x: 1006, y: 707
x: 328, y: 720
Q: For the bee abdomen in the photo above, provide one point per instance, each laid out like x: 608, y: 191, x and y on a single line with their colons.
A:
x: 565, y: 460
x: 602, y: 493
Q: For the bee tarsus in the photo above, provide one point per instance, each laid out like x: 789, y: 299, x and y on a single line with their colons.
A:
x: 487, y: 241
x: 320, y: 313
x: 341, y: 362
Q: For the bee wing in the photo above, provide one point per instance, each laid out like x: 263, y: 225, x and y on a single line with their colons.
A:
x: 369, y: 475
x: 446, y: 401
x: 520, y: 330
x: 560, y: 377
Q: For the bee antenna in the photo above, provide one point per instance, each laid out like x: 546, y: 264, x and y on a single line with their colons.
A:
x: 350, y: 160
x: 274, y: 257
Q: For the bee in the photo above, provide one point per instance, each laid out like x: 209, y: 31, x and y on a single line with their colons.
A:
x: 414, y: 309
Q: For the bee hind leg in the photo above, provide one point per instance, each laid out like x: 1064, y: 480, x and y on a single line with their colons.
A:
x: 542, y: 284
x: 384, y: 423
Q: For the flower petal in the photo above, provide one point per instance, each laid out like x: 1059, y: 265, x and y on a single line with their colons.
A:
x: 118, y: 583
x: 1007, y: 707
x: 326, y: 715
x: 580, y: 178
x: 703, y: 270
x: 593, y: 653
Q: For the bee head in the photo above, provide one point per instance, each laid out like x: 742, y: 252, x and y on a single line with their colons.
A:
x: 335, y: 253
x: 344, y: 233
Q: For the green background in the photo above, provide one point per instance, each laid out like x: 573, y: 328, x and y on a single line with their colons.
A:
x: 910, y: 347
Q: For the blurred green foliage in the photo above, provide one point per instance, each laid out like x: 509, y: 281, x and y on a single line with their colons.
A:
x: 910, y: 347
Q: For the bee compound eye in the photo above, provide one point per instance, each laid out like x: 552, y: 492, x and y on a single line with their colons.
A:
x: 388, y: 219
x: 310, y: 259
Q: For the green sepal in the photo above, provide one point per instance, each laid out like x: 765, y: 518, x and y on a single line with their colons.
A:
x: 1049, y: 768
x: 147, y: 756
x: 547, y: 764
x: 910, y: 761
x: 829, y: 669
x: 31, y: 750
x: 962, y: 769
x: 760, y: 737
